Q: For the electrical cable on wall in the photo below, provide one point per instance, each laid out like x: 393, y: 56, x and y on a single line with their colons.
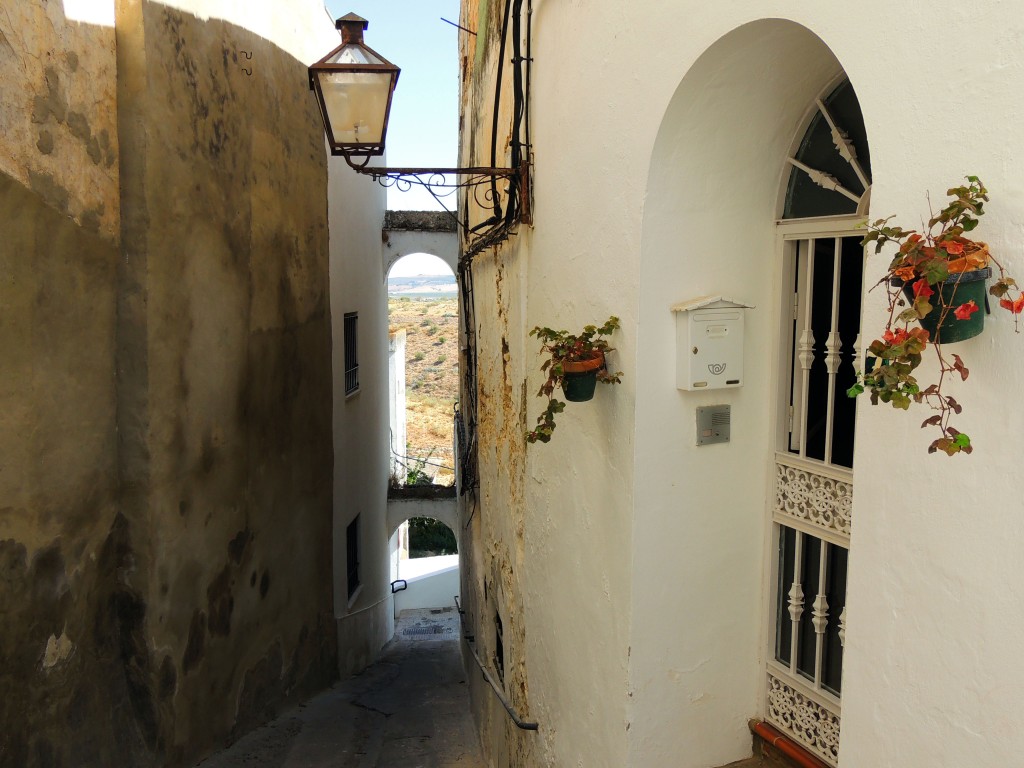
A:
x: 499, y: 226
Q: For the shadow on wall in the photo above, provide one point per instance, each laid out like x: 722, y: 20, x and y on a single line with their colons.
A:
x: 166, y: 436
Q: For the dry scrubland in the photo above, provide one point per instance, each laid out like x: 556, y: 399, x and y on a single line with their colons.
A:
x: 431, y: 373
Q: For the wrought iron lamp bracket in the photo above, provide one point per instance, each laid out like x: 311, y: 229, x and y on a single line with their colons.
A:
x: 481, y: 182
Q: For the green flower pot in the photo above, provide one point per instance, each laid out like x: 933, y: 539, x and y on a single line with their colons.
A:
x: 956, y: 290
x: 579, y: 387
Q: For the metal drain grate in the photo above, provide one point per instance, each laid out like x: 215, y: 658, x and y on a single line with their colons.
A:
x: 427, y: 631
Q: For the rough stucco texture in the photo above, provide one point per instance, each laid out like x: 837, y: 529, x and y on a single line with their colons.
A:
x: 58, y: 131
x: 68, y: 624
x: 165, y: 416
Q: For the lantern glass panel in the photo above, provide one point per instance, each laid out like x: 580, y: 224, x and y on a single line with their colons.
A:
x: 356, y: 104
x: 354, y: 54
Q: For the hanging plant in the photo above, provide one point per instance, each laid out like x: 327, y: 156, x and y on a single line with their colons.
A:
x: 936, y: 281
x: 575, y: 362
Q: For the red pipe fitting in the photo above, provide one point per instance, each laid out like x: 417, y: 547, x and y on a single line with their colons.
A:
x: 793, y: 751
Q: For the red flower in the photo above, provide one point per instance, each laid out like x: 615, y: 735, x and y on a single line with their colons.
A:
x: 1014, y: 306
x: 896, y: 338
x: 964, y: 311
x: 921, y: 288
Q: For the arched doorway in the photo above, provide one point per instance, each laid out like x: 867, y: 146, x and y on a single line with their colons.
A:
x: 711, y: 206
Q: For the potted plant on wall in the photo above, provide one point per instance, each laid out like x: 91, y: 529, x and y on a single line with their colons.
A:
x: 936, y: 280
x: 574, y: 362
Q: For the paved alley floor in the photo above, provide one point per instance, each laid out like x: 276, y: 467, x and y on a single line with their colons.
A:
x: 409, y: 710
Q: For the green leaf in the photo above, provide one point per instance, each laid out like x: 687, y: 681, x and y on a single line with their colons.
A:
x: 935, y: 270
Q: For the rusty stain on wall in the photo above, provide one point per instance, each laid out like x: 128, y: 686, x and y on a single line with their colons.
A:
x: 496, y: 538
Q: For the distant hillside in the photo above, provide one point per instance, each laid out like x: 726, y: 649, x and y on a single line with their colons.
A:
x: 437, y: 286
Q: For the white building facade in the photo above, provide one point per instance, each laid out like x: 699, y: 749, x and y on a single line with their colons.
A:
x: 636, y: 589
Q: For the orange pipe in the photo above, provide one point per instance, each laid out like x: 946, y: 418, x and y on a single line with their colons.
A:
x: 786, y: 746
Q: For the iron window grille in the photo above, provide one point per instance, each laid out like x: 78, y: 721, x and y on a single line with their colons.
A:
x: 351, y: 353
x: 352, y: 549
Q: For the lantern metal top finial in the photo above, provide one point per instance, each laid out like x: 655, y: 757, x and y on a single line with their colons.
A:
x: 351, y: 26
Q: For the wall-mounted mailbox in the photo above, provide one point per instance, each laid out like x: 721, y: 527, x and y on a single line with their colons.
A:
x: 709, y: 343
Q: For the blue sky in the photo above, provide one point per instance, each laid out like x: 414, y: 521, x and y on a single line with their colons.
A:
x: 423, y: 129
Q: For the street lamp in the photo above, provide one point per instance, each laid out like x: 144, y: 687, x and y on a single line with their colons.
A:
x: 353, y: 86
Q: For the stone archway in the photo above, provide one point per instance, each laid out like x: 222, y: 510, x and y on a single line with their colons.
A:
x: 441, y: 506
x: 408, y: 232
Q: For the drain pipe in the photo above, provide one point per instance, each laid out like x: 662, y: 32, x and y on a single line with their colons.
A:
x: 520, y: 723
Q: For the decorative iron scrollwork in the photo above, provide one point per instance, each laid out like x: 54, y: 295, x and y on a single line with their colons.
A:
x: 807, y: 721
x: 818, y: 499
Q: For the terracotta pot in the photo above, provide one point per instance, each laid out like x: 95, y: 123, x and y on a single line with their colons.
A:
x: 579, y: 378
x: 584, y: 366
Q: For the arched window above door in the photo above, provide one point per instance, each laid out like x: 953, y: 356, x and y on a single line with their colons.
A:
x: 831, y: 168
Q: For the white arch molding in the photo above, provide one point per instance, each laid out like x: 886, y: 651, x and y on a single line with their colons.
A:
x: 409, y: 232
x: 444, y: 510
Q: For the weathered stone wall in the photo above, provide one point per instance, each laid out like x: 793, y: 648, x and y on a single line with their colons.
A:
x: 231, y: 415
x: 69, y: 628
x: 165, y: 387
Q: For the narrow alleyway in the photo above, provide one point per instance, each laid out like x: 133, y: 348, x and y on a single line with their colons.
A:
x: 409, y: 710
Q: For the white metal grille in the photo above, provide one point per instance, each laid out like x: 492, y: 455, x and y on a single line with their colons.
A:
x: 808, y: 496
x: 813, y: 500
x: 809, y: 722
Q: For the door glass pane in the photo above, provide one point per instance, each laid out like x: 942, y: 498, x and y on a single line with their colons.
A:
x: 783, y: 623
x: 850, y: 278
x: 832, y: 658
x: 821, y: 325
x: 806, y: 644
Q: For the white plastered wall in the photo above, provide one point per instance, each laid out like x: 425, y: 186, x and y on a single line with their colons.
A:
x: 361, y: 434
x: 932, y: 674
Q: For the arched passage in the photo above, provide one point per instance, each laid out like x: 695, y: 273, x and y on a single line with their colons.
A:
x: 444, y: 509
x: 409, y: 232
x: 426, y: 580
x: 712, y: 201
